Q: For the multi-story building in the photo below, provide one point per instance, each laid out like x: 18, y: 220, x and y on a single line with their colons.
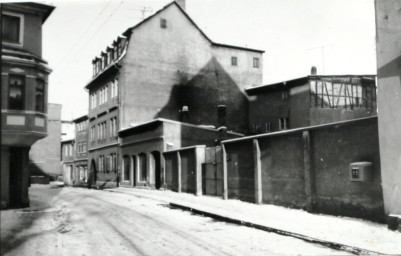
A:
x: 24, y: 90
x: 81, y: 151
x: 67, y: 160
x: 311, y: 100
x: 165, y: 67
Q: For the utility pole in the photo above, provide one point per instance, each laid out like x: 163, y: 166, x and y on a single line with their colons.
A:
x: 322, y: 49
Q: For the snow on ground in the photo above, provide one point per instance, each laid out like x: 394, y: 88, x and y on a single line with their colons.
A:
x: 77, y: 221
x: 349, y: 231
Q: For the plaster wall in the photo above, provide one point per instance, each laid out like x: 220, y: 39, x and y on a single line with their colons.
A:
x: 388, y: 51
x: 283, y: 173
x: 166, y: 69
x: 44, y: 156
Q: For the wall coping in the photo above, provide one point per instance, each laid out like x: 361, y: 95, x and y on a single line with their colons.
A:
x: 301, y: 129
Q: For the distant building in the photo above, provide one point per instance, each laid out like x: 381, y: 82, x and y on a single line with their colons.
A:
x: 165, y: 67
x: 44, y: 156
x: 67, y: 130
x: 81, y: 151
x: 388, y: 50
x: 311, y: 100
x: 24, y: 90
x: 67, y: 160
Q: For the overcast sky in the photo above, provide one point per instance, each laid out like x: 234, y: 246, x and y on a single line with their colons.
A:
x: 336, y: 36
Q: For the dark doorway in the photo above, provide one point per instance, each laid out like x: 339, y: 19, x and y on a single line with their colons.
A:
x: 127, y: 168
x: 92, y: 174
x: 15, y: 181
x: 157, y: 171
x: 134, y: 170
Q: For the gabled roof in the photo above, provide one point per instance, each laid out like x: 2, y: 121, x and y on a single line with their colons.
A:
x: 127, y: 32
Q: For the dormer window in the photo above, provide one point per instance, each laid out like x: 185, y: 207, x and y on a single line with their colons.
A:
x: 163, y: 23
x: 109, y: 57
x: 12, y: 27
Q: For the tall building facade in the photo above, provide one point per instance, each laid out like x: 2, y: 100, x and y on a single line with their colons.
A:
x: 24, y: 90
x: 388, y: 51
x: 165, y: 67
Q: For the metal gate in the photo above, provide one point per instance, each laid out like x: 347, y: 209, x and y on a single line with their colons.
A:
x: 212, y: 172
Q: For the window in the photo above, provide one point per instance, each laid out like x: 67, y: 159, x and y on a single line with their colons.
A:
x: 116, y: 87
x: 109, y: 56
x: 40, y: 96
x: 283, y: 123
x: 163, y: 23
x: 284, y: 95
x: 355, y: 173
x: 93, y: 128
x: 256, y: 62
x: 101, y: 163
x: 345, y: 93
x: 16, y: 93
x: 12, y: 28
x: 113, y: 127
x: 268, y: 127
x: 234, y: 61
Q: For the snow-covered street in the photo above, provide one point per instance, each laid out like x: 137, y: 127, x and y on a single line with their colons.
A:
x: 77, y: 221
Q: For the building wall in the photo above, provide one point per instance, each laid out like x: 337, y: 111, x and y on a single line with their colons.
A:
x: 296, y: 104
x: 182, y: 69
x: 309, y: 169
x: 333, y: 150
x: 105, y: 178
x: 240, y: 174
x: 283, y: 173
x: 388, y: 20
x: 44, y: 155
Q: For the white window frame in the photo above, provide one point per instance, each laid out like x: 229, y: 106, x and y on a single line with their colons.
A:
x: 21, y: 30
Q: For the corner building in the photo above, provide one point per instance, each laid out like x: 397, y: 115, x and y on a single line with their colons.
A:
x: 165, y: 67
x: 24, y: 89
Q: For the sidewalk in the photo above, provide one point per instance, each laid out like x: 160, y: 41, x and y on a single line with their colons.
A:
x: 352, y: 232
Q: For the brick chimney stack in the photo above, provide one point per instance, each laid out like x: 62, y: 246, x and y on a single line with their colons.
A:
x: 181, y: 3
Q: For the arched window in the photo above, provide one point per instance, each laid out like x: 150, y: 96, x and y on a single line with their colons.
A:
x: 142, y: 167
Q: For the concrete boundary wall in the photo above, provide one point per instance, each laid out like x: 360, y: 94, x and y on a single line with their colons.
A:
x: 308, y: 168
x: 183, y: 169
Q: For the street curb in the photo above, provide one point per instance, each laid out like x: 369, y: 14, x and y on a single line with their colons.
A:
x: 332, y: 245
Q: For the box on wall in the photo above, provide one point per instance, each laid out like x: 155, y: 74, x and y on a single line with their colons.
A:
x: 361, y: 171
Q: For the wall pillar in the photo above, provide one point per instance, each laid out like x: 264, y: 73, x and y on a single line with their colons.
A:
x: 225, y: 175
x: 309, y: 179
x: 257, y: 165
x: 179, y: 171
x: 199, y: 160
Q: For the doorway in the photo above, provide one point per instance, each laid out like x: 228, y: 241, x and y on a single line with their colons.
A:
x: 15, y: 180
x: 156, y: 168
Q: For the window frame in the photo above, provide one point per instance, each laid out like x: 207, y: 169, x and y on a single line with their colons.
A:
x: 21, y: 28
x: 256, y: 62
x: 40, y: 81
x: 234, y: 61
x: 23, y: 89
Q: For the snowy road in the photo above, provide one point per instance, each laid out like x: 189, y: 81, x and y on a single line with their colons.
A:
x: 90, y: 222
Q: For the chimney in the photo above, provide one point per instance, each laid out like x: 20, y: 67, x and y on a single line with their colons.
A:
x: 221, y: 115
x: 181, y: 3
x: 184, y: 114
x: 313, y: 70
